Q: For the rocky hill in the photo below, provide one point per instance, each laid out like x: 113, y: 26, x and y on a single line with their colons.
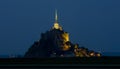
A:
x: 56, y: 43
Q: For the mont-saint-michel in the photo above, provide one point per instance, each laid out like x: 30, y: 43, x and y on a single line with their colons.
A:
x: 56, y: 43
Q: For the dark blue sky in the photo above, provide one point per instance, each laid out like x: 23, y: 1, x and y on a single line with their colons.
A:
x: 93, y: 23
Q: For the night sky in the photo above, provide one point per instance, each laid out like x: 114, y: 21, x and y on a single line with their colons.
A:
x: 92, y: 23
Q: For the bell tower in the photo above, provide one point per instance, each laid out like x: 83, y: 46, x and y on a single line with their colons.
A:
x: 56, y: 24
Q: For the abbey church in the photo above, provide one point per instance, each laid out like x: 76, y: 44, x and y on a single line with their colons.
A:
x: 56, y: 43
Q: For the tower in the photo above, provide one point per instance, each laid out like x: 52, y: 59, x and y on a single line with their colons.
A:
x: 56, y: 24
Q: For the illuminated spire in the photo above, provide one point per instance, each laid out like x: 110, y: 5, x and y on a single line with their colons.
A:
x: 56, y: 16
x: 56, y: 24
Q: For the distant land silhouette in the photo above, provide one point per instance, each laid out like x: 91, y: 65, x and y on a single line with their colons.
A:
x: 113, y: 54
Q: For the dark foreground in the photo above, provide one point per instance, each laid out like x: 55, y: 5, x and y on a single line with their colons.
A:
x: 85, y: 63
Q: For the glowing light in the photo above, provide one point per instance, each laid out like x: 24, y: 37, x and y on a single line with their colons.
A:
x: 66, y: 37
x: 92, y: 54
x: 65, y: 47
x: 98, y: 55
x: 56, y: 25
